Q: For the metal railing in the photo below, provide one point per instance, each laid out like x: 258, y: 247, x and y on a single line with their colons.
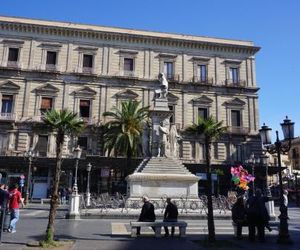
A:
x: 238, y: 130
x: 200, y: 80
x: 235, y: 83
x: 8, y: 116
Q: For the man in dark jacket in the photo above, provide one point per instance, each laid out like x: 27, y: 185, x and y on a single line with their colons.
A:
x: 239, y: 216
x: 170, y: 215
x: 258, y: 216
x: 147, y: 213
x: 4, y: 195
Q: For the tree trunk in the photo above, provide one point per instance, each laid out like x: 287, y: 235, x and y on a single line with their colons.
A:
x: 210, y: 214
x: 54, y: 193
x: 128, y: 163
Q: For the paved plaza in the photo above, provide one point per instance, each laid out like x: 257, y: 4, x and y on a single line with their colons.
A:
x: 115, y: 233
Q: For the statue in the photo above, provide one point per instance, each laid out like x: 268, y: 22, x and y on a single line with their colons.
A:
x: 163, y: 145
x: 164, y: 86
x: 174, y: 137
x: 146, y: 139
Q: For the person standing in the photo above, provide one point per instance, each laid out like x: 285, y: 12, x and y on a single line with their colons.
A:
x: 170, y: 215
x: 147, y: 213
x: 258, y: 216
x: 15, y: 198
x: 239, y: 216
x: 4, y: 195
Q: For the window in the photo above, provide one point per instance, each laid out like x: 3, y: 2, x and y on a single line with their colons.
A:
x: 47, y: 104
x: 172, y: 117
x: 235, y: 118
x: 3, y: 143
x: 128, y: 64
x: 295, y: 153
x: 13, y: 56
x: 51, y: 58
x: 42, y: 145
x: 203, y: 113
x: 202, y: 73
x: 87, y: 61
x: 168, y: 70
x: 82, y: 142
x: 237, y: 153
x: 234, y: 74
x: 7, y: 104
x: 84, y: 108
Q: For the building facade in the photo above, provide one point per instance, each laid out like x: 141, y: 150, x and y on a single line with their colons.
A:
x: 90, y: 69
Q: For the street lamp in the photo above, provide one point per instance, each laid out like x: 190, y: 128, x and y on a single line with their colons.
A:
x: 75, y: 197
x: 88, y: 194
x: 252, y: 161
x: 29, y: 155
x: 280, y: 147
x: 77, y: 154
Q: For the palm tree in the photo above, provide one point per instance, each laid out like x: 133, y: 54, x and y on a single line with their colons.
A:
x: 122, y: 134
x: 62, y: 123
x: 211, y: 130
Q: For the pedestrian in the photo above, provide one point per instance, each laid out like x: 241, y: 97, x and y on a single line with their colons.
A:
x: 15, y: 198
x: 239, y: 216
x: 4, y: 196
x: 62, y: 194
x: 147, y: 213
x: 170, y: 215
x: 258, y: 216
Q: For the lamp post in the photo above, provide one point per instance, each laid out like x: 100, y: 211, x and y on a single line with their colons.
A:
x: 75, y: 197
x: 77, y: 154
x: 252, y: 161
x: 29, y: 155
x: 88, y: 194
x: 280, y: 147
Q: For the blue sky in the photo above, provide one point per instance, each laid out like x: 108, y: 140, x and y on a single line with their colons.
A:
x: 273, y: 25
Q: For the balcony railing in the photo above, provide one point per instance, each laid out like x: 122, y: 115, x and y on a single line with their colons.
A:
x: 235, y: 83
x: 8, y: 116
x: 51, y: 67
x: 238, y: 130
x: 89, y: 121
x: 13, y: 64
x: 198, y: 79
x: 128, y: 73
x: 173, y: 77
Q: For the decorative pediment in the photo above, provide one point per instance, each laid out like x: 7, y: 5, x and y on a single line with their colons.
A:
x: 235, y: 102
x: 172, y: 98
x: 127, y: 94
x: 202, y: 100
x: 47, y: 89
x: 9, y: 86
x: 85, y: 91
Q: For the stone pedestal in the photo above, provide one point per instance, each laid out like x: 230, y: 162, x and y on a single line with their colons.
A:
x: 161, y: 177
x: 74, y: 207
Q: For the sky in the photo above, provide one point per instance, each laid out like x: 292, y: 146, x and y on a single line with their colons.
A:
x: 273, y: 25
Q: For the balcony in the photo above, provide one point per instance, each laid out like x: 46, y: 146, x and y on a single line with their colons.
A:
x: 89, y: 121
x: 13, y: 64
x: 128, y: 73
x: 173, y: 77
x: 8, y: 117
x: 198, y: 80
x: 236, y: 83
x: 238, y: 130
x: 51, y: 67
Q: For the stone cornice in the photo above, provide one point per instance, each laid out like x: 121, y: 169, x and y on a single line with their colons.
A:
x: 124, y: 35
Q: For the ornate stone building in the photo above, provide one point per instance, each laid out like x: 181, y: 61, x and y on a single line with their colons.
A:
x: 89, y: 69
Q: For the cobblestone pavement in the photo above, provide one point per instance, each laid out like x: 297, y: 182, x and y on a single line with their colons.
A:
x: 92, y: 234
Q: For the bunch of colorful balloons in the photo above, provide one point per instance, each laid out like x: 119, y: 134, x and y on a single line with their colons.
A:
x: 241, y: 178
